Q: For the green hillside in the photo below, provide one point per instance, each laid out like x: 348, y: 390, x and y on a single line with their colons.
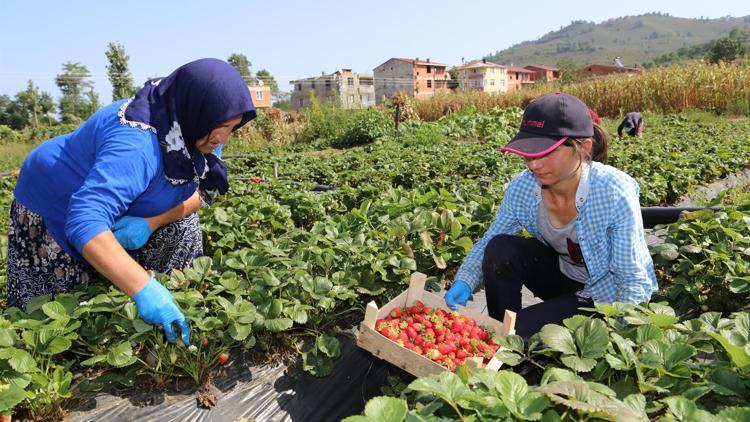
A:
x: 636, y: 39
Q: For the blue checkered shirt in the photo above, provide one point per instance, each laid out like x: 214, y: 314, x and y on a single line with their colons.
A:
x: 609, y: 228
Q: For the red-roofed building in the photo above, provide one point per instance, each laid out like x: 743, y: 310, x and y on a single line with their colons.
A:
x: 543, y: 73
x: 417, y: 78
x: 593, y: 70
x: 518, y: 78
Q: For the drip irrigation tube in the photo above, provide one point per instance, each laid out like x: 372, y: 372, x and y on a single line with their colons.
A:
x: 666, y: 215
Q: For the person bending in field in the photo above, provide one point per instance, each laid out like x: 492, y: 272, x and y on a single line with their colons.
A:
x: 131, y: 177
x: 588, y: 244
x: 632, y: 124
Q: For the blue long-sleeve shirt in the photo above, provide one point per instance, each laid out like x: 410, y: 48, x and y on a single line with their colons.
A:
x: 81, y: 182
x: 609, y: 228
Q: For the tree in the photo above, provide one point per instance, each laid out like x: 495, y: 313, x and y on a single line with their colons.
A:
x: 268, y: 79
x: 243, y: 65
x: 30, y: 107
x: 726, y: 50
x: 78, y: 100
x: 569, y: 72
x: 119, y: 75
x: 454, y: 82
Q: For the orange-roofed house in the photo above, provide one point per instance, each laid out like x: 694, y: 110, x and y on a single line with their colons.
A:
x: 518, y: 78
x: 417, y: 78
x: 261, y: 95
x: 543, y: 73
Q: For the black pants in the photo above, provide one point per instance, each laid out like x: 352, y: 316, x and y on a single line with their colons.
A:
x: 510, y: 262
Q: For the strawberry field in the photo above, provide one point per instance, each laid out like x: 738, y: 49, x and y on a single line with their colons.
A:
x: 287, y: 267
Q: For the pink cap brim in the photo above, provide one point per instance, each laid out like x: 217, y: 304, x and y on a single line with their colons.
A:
x: 536, y: 154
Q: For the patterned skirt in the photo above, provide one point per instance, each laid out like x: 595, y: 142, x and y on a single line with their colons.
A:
x: 37, y: 265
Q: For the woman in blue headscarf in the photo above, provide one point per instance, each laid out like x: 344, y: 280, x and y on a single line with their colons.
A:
x: 131, y: 177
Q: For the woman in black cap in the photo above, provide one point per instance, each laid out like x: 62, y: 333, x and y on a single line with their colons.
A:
x: 588, y: 244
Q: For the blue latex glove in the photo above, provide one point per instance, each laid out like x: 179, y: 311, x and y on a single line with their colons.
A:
x: 131, y: 232
x: 157, y: 306
x: 458, y: 294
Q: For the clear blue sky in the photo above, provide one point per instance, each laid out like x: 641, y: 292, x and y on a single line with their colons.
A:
x: 292, y: 39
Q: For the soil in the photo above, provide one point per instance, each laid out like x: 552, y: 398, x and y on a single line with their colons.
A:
x: 205, y: 395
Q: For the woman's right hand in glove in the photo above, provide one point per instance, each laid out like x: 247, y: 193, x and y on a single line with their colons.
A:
x: 157, y: 306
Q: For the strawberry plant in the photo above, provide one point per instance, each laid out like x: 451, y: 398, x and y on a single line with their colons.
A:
x: 705, y: 261
x: 634, y: 363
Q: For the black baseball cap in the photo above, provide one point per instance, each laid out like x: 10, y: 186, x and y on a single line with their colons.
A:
x: 548, y: 121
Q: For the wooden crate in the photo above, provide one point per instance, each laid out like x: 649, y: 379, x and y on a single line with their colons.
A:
x: 414, y: 363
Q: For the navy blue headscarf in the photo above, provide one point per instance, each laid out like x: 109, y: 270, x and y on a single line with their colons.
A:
x: 182, y: 108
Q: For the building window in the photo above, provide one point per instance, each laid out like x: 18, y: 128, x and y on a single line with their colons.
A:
x: 429, y: 83
x: 429, y: 69
x: 351, y: 99
x: 328, y: 83
x: 350, y: 81
x: 312, y: 84
x: 299, y: 87
x: 258, y: 95
x: 492, y: 82
x: 301, y: 103
x: 365, y: 98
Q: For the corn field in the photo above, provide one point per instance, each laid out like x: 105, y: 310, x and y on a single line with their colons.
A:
x: 722, y: 89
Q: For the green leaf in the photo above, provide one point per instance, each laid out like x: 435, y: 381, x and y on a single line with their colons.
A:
x: 558, y: 338
x: 509, y: 358
x: 465, y: 243
x: 682, y: 408
x: 727, y: 382
x: 239, y: 331
x: 317, y: 364
x: 592, y: 338
x: 329, y: 345
x: 269, y: 278
x: 426, y: 240
x: 276, y: 325
x: 56, y: 345
x: 7, y: 337
x: 19, y: 360
x: 532, y: 405
x: 676, y: 354
x: 511, y: 386
x: 739, y: 356
x: 512, y: 342
x: 648, y: 332
x: 663, y: 320
x: 10, y: 396
x: 121, y: 355
x: 55, y: 310
x: 448, y: 387
x: 386, y: 409
x: 558, y: 374
x: 733, y: 414
x: 578, y: 364
x: 94, y: 360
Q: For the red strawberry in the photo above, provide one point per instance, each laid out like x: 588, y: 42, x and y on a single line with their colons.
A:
x: 223, y: 358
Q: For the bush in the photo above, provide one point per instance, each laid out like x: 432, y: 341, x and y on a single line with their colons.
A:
x: 8, y: 135
x: 324, y: 121
x: 363, y: 128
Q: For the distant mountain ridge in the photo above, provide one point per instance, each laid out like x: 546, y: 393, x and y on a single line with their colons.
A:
x: 636, y: 39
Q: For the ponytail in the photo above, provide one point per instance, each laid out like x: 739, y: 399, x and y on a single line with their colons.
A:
x: 599, y: 144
